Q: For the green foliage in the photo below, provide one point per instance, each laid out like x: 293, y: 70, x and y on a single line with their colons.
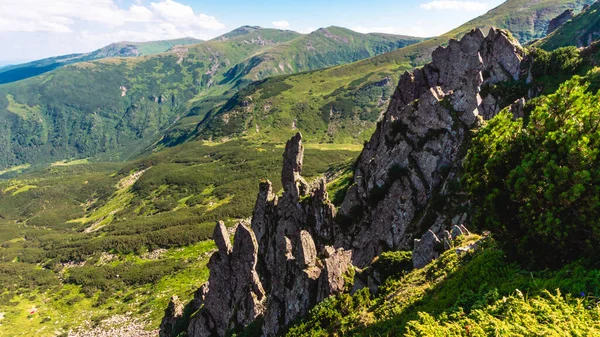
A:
x: 579, y: 31
x: 469, y: 294
x: 537, y: 185
x: 82, y: 110
x: 172, y: 206
x: 394, y: 264
x: 120, y: 49
x: 125, y: 274
x: 561, y: 61
x: 547, y: 314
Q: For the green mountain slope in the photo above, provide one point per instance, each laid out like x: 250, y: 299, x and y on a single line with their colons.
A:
x: 19, y: 72
x: 323, y: 48
x: 67, y: 231
x: 116, y: 104
x: 342, y: 104
x: 581, y: 31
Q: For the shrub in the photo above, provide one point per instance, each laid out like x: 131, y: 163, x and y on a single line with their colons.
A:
x: 537, y: 185
x: 561, y: 61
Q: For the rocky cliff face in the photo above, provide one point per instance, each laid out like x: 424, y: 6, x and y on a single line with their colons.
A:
x: 279, y: 267
x: 560, y: 20
x: 297, y: 249
x: 416, y: 152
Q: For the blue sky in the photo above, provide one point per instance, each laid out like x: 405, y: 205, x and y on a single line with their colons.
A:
x: 33, y: 29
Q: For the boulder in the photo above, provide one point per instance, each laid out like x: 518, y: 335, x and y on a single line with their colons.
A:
x: 426, y: 249
x: 173, y: 314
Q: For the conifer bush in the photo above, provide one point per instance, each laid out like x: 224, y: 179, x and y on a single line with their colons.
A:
x: 536, y: 181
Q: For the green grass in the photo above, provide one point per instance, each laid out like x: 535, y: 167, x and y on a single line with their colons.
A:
x: 120, y: 49
x: 472, y: 294
x: 70, y: 163
x: 22, y: 110
x: 15, y: 169
x: 172, y: 206
x: 67, y: 306
x: 578, y: 31
x: 83, y: 111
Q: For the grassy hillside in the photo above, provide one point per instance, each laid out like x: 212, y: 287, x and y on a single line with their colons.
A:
x: 342, y: 104
x: 581, y: 31
x: 115, y: 107
x: 466, y: 293
x: 83, y: 242
x: 19, y: 72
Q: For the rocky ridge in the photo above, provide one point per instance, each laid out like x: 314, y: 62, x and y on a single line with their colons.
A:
x: 560, y: 20
x: 406, y: 176
x: 298, y: 251
x: 279, y: 267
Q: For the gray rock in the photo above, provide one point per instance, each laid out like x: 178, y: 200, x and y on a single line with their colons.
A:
x: 465, y: 230
x: 274, y: 270
x: 446, y: 238
x: 235, y: 296
x: 456, y: 232
x: 173, y: 314
x: 518, y: 108
x: 422, y: 132
x: 426, y: 249
x: 221, y: 238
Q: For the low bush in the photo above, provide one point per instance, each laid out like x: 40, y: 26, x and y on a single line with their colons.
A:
x: 536, y: 183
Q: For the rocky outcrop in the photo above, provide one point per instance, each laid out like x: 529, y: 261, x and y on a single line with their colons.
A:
x: 173, y: 314
x: 234, y: 296
x: 281, y: 266
x: 298, y: 250
x: 426, y: 249
x: 560, y: 20
x: 415, y: 155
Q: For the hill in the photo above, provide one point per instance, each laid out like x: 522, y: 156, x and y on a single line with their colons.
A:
x: 581, y: 31
x: 17, y: 72
x: 83, y: 242
x: 108, y: 105
x: 342, y: 104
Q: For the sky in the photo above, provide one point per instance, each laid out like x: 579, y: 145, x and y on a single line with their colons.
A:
x: 34, y: 29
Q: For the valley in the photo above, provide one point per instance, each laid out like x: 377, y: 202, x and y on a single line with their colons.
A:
x: 115, y: 166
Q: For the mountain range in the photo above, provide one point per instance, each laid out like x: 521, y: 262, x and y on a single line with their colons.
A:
x: 128, y: 102
x: 16, y: 72
x: 128, y: 110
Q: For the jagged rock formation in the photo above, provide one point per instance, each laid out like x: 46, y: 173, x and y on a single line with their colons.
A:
x: 298, y: 250
x: 560, y: 20
x: 417, y: 149
x: 286, y: 246
x: 173, y: 314
x: 234, y: 295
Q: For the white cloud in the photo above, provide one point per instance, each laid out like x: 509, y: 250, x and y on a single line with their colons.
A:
x: 181, y: 15
x: 282, y: 24
x: 60, y: 16
x: 472, y: 6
